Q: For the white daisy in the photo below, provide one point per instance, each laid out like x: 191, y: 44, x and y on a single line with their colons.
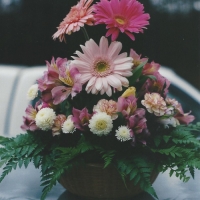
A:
x: 32, y: 92
x: 45, y: 118
x: 123, y: 133
x: 68, y: 125
x: 101, y: 124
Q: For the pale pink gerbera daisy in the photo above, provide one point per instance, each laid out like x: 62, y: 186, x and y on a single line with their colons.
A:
x: 103, y: 67
x: 79, y: 15
x: 126, y: 16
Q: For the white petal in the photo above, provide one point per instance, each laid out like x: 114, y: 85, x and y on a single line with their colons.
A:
x: 124, y: 60
x: 109, y: 91
x: 91, y: 82
x: 113, y: 81
x: 103, y: 45
x: 85, y: 77
x: 114, y: 49
x: 98, y: 84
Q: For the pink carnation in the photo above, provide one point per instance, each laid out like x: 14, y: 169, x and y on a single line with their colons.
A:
x: 57, y: 126
x: 154, y: 103
x: 121, y: 16
x: 109, y: 107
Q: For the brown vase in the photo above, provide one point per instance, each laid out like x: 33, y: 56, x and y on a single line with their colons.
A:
x: 94, y: 182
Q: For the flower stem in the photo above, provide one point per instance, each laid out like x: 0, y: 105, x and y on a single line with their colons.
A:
x: 85, y: 33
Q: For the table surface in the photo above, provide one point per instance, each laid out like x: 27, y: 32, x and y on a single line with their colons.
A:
x: 24, y: 184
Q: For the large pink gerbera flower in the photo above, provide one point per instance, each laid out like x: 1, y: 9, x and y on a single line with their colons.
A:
x: 79, y: 15
x: 102, y: 66
x: 126, y: 16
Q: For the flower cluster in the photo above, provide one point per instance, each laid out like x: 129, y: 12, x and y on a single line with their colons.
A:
x: 104, y: 106
x: 102, y: 77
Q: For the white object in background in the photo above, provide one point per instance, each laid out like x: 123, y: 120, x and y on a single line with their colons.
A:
x: 8, y: 78
x: 180, y: 83
x: 27, y: 78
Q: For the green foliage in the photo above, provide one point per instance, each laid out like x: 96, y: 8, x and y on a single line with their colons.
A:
x: 139, y: 170
x: 176, y: 149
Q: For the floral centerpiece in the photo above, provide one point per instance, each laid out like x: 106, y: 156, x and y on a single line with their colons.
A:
x: 104, y: 106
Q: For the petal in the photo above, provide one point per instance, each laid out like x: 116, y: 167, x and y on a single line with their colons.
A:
x: 113, y: 81
x: 98, y: 84
x: 103, y: 45
x: 60, y: 93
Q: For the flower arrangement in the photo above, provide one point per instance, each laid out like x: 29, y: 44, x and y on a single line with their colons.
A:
x: 104, y: 106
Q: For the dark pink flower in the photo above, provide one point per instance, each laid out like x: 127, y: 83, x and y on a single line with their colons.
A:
x: 28, y: 124
x: 59, y: 81
x: 160, y: 85
x: 121, y: 16
x: 183, y: 118
x: 29, y: 119
x: 151, y: 68
x: 80, y: 118
x: 127, y: 106
x: 137, y: 60
x: 70, y: 78
x: 137, y: 123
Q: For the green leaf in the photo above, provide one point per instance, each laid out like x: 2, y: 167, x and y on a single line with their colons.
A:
x: 136, y: 179
x: 137, y: 72
x: 36, y: 161
x: 133, y: 174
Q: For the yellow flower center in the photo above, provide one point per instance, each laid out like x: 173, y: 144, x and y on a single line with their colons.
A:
x: 101, y: 125
x: 101, y: 66
x: 67, y: 80
x: 120, y: 20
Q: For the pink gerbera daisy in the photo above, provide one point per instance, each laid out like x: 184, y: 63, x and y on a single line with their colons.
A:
x: 79, y: 15
x: 103, y: 67
x: 126, y: 16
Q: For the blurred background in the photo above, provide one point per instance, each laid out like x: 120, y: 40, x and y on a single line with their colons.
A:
x: 172, y: 39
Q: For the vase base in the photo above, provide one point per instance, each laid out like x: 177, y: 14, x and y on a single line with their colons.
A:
x: 93, y: 182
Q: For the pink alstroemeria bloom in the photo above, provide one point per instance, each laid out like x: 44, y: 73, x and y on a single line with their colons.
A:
x: 29, y: 119
x: 127, y: 106
x: 160, y: 85
x: 151, y: 68
x: 137, y: 60
x: 78, y: 16
x: 80, y: 118
x: 183, y: 118
x: 50, y: 79
x: 121, y: 16
x: 28, y: 124
x: 137, y: 123
x: 59, y: 81
x: 70, y: 84
x: 102, y: 67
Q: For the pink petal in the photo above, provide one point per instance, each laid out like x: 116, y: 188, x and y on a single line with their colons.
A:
x: 60, y: 93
